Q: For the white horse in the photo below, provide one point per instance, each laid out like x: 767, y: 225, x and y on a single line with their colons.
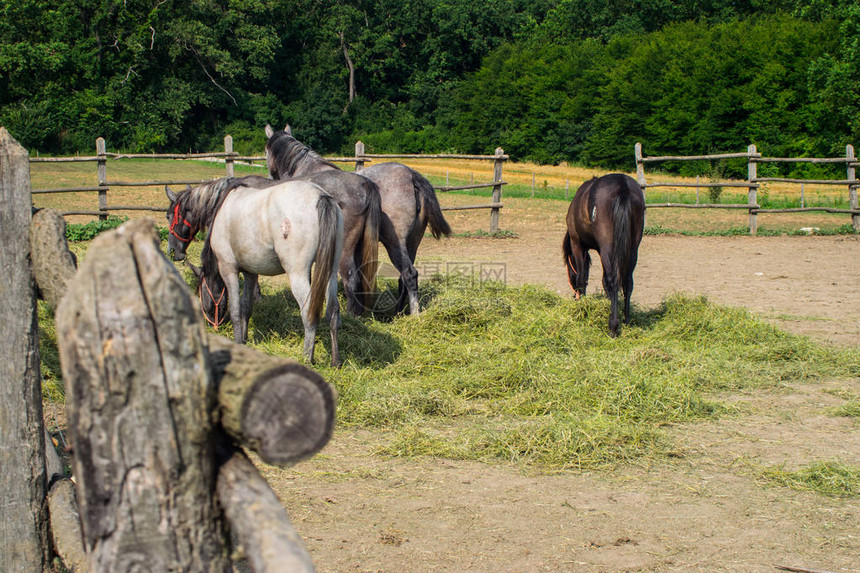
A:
x: 292, y: 227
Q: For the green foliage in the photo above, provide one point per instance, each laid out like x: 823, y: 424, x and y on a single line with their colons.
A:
x: 79, y: 232
x: 568, y: 81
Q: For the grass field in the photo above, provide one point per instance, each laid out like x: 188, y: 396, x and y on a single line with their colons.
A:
x: 522, y: 375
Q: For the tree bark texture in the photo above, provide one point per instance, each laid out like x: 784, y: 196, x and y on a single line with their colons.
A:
x: 140, y: 403
x: 265, y: 533
x: 23, y: 518
x: 54, y: 265
x: 277, y: 407
x: 66, y: 526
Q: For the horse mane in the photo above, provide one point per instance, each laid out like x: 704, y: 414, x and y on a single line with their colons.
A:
x: 202, y: 203
x: 290, y: 155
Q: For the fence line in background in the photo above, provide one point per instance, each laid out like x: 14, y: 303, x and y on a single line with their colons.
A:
x: 230, y: 158
x: 753, y: 182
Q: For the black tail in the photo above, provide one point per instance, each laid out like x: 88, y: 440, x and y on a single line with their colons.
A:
x: 567, y: 253
x: 370, y: 243
x: 622, y: 235
x: 426, y: 196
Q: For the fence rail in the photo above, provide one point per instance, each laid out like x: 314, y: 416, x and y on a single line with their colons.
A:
x: 753, y: 182
x: 102, y: 158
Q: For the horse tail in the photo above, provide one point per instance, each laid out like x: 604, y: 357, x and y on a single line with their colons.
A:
x: 327, y: 251
x: 622, y: 235
x: 426, y: 196
x: 370, y: 242
x: 567, y: 253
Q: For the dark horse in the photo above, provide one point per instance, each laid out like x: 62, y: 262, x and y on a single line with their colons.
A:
x: 358, y: 199
x: 409, y: 204
x: 606, y: 214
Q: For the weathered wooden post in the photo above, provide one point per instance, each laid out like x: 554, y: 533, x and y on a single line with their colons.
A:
x: 359, y: 155
x: 752, y: 176
x: 228, y: 149
x: 852, y: 189
x: 153, y: 403
x: 640, y: 173
x: 23, y: 483
x: 101, y: 153
x: 139, y: 397
x: 497, y: 189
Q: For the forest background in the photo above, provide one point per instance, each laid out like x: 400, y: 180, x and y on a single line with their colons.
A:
x: 577, y: 81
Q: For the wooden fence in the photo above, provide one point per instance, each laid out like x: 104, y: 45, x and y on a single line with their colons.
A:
x: 159, y: 412
x: 102, y: 158
x: 753, y: 182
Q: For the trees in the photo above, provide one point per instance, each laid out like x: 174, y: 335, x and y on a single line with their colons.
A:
x: 549, y: 81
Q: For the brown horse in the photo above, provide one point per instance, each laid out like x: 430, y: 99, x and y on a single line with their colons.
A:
x: 606, y: 214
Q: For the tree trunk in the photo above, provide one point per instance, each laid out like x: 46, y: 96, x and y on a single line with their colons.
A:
x: 140, y: 400
x: 351, y: 67
x: 23, y: 508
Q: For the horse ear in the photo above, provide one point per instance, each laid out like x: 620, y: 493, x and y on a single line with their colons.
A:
x: 288, y: 130
x: 269, y: 131
x: 170, y: 194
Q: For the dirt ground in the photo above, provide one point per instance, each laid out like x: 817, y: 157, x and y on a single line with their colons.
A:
x: 705, y: 510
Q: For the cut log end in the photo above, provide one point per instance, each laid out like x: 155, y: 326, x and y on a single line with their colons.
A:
x: 289, y: 413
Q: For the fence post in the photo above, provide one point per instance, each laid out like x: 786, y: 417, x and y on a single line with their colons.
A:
x: 228, y: 149
x: 640, y: 175
x: 102, y: 175
x: 23, y: 483
x: 497, y: 190
x: 852, y: 189
x: 752, y: 175
x: 359, y: 154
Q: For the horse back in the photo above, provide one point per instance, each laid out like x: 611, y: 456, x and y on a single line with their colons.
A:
x: 254, y: 227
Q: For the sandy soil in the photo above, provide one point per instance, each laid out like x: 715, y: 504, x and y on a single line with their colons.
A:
x: 704, y: 510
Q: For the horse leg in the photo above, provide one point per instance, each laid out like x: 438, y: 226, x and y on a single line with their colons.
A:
x: 610, y: 285
x: 300, y: 284
x: 627, y: 288
x: 332, y: 312
x: 349, y: 273
x: 577, y: 269
x: 408, y: 281
x: 249, y: 292
x: 231, y: 281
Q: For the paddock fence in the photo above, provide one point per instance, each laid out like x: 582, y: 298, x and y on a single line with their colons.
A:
x: 230, y: 158
x: 753, y: 183
x: 160, y: 414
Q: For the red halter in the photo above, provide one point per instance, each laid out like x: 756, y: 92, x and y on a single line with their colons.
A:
x: 177, y: 218
x: 217, y: 322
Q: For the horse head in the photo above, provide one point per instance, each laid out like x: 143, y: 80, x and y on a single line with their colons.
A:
x: 212, y: 293
x: 287, y: 157
x: 181, y: 230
